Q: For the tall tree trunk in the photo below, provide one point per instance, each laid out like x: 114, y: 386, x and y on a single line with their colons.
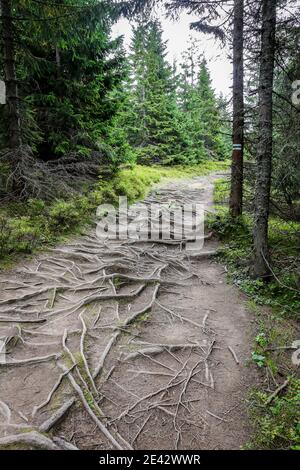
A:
x: 236, y: 194
x: 12, y: 97
x: 265, y: 140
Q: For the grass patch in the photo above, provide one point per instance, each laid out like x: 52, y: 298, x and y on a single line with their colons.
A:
x: 33, y: 225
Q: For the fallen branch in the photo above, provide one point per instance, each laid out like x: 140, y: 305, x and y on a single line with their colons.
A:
x: 20, y: 320
x: 277, y: 391
x: 233, y: 354
x: 52, y: 391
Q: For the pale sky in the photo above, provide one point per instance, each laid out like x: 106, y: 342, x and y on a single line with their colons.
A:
x: 177, y: 33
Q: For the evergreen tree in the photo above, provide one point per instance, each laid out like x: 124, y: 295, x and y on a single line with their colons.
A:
x: 67, y: 86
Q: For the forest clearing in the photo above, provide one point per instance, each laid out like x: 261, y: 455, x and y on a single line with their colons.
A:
x: 170, y: 323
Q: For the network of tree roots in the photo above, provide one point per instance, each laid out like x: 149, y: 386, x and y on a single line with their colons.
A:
x: 96, y: 350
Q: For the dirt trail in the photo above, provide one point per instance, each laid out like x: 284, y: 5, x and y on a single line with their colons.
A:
x: 125, y: 345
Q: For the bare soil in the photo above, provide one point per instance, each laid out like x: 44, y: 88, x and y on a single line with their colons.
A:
x: 126, y: 345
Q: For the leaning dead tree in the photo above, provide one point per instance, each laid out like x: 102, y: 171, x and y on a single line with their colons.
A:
x: 265, y: 140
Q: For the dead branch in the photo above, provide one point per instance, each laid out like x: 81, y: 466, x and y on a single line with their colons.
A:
x: 64, y: 445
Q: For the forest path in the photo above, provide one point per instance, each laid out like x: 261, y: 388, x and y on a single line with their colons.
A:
x: 125, y: 345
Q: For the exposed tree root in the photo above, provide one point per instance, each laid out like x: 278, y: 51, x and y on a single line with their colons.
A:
x: 100, y: 284
x: 96, y: 420
x: 5, y: 411
x: 233, y: 354
x: 73, y: 360
x: 105, y: 353
x: 25, y: 296
x: 64, y: 445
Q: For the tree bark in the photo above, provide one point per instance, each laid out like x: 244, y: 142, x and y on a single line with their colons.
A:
x: 265, y: 140
x: 12, y: 97
x: 236, y: 194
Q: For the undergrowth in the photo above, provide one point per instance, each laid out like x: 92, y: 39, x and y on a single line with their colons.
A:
x: 276, y: 424
x: 32, y: 225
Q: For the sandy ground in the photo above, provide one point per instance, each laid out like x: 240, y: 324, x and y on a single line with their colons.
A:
x: 126, y: 345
